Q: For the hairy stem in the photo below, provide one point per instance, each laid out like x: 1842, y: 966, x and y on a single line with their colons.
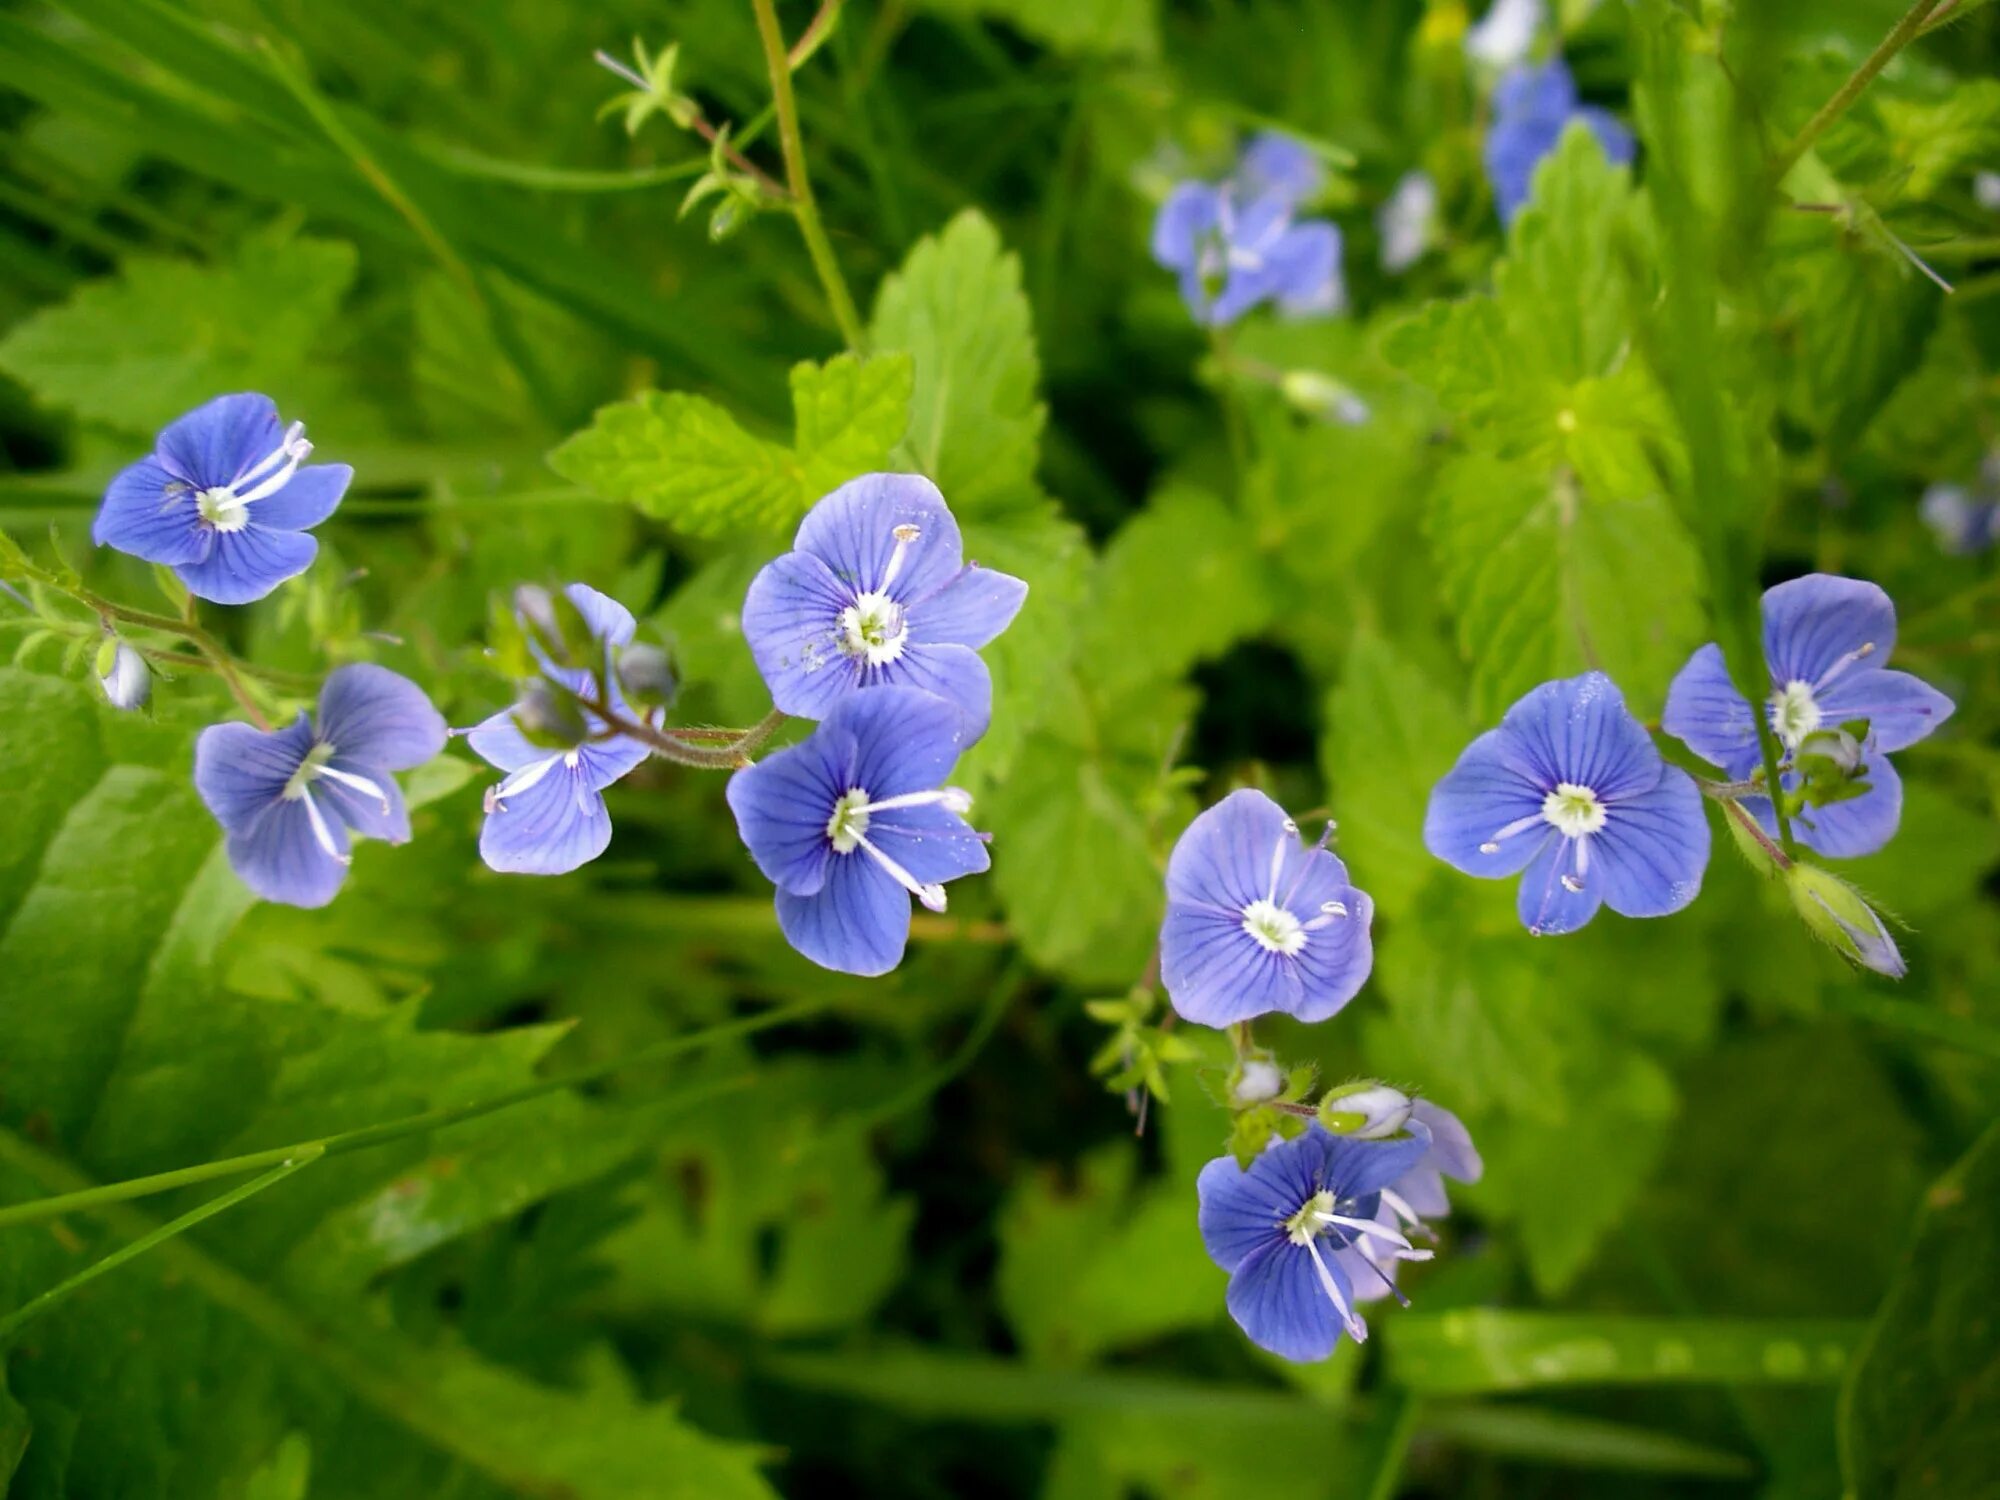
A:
x: 804, y: 207
x: 1900, y: 36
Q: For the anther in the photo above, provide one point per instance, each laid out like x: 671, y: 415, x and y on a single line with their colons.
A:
x: 1489, y: 847
x: 904, y: 535
x: 1334, y: 908
x: 1571, y: 884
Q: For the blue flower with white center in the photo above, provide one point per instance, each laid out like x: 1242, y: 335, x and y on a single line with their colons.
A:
x: 876, y: 591
x: 1280, y: 1228
x: 289, y: 799
x: 1571, y: 790
x: 853, y: 822
x: 548, y: 816
x: 1370, y: 1262
x: 1531, y: 109
x: 1826, y: 642
x: 1258, y: 921
x: 1237, y: 245
x: 225, y: 500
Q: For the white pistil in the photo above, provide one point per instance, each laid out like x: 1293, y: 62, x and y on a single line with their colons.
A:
x: 1400, y: 1207
x: 1356, y: 1329
x: 1795, y: 713
x: 226, y: 506
x: 1285, y: 841
x: 929, y: 893
x: 1860, y: 652
x: 951, y: 798
x: 1519, y: 825
x: 1367, y: 1227
x: 904, y: 535
x: 322, y: 835
x: 360, y: 784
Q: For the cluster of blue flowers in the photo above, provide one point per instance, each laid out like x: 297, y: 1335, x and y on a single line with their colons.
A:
x: 871, y: 626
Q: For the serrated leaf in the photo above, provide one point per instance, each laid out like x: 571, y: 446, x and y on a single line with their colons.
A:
x: 956, y: 307
x: 137, y: 350
x: 684, y: 460
x: 1940, y: 139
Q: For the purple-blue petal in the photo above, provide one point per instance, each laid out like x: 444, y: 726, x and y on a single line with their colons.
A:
x: 1450, y: 1152
x: 1276, y: 1299
x: 240, y: 770
x: 791, y: 622
x: 610, y: 621
x: 1337, y: 958
x: 1577, y: 729
x: 784, y: 803
x: 1612, y: 136
x: 970, y: 610
x: 1811, y: 623
x: 499, y: 742
x: 1846, y: 830
x: 1224, y: 856
x: 1304, y: 270
x: 857, y: 922
x: 1216, y: 973
x: 149, y: 514
x: 1649, y: 857
x: 387, y: 817
x: 311, y: 495
x: 378, y: 717
x: 1492, y: 787
x: 933, y: 843
x: 905, y: 740
x: 1276, y: 163
x: 279, y: 857
x: 1706, y: 713
x: 550, y: 828
x: 243, y: 566
x: 1191, y: 212
x: 1240, y: 1210
x: 1900, y: 709
x: 853, y: 531
x: 955, y: 674
x: 1548, y: 907
x: 221, y: 439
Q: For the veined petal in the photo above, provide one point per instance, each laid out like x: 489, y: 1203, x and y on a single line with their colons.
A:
x: 370, y: 714
x: 1274, y: 162
x: 1900, y: 709
x: 933, y: 843
x: 1357, y: 1168
x: 1241, y: 1211
x: 278, y: 854
x: 1216, y: 973
x: 1649, y: 857
x: 1812, y: 623
x: 1276, y: 1298
x: 1337, y: 958
x: 1451, y: 1150
x: 1224, y: 857
x: 604, y: 763
x: 784, y: 803
x: 385, y: 817
x: 311, y: 495
x: 610, y: 621
x: 955, y: 674
x: 150, y: 514
x: 1547, y: 906
x: 1493, y: 796
x: 853, y: 531
x: 1304, y: 270
x: 857, y: 922
x: 970, y: 610
x: 1190, y: 212
x: 220, y: 439
x: 551, y: 827
x: 905, y: 740
x: 243, y: 566
x: 791, y: 621
x: 239, y: 771
x: 1577, y: 729
x: 1706, y: 713
x: 499, y: 742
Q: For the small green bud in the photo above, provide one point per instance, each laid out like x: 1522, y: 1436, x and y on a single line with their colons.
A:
x: 548, y: 716
x: 1843, y: 920
x: 1257, y: 1080
x: 646, y: 673
x: 1367, y: 1109
x: 1321, y: 396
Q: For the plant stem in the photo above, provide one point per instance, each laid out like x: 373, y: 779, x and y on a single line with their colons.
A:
x: 376, y: 1135
x: 730, y: 756
x: 804, y: 207
x: 1900, y: 36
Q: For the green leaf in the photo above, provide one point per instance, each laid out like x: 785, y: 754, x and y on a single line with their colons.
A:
x: 1916, y: 1413
x: 957, y: 309
x: 684, y: 460
x: 163, y: 336
x: 1072, y: 27
x: 1940, y: 139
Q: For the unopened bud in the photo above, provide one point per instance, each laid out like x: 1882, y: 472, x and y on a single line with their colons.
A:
x: 124, y: 675
x: 549, y: 717
x: 646, y: 673
x: 1843, y: 920
x: 1257, y: 1081
x: 1368, y: 1109
x: 1839, y: 751
x: 1319, y: 395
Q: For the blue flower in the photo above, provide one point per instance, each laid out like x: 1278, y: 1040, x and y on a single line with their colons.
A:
x: 1369, y: 1263
x: 1236, y: 244
x: 223, y: 501
x: 1571, y: 789
x: 288, y: 799
x: 1259, y: 922
x: 548, y: 816
x: 1826, y: 640
x: 852, y: 823
x: 1531, y: 109
x: 877, y: 592
x: 1279, y: 1228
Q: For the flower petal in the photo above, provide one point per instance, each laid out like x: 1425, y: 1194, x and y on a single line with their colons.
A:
x: 606, y: 762
x: 243, y: 566
x: 970, y: 610
x: 1356, y: 1168
x: 610, y: 621
x: 1303, y: 270
x: 278, y: 854
x: 1846, y: 830
x: 311, y: 495
x: 791, y: 622
x: 370, y: 714
x: 1811, y: 623
x: 853, y: 531
x: 932, y: 843
x: 386, y: 817
x: 1274, y: 162
x: 1900, y: 709
x: 1451, y: 1150
x: 1648, y: 858
x: 1493, y: 787
x: 1547, y: 906
x: 1216, y: 973
x: 1276, y: 1298
x: 218, y: 441
x: 857, y: 922
x: 1337, y: 958
x: 149, y: 514
x: 1191, y: 211
x: 1241, y: 1210
x: 1224, y: 857
x: 955, y: 674
x: 239, y: 770
x: 784, y: 803
x: 1577, y: 729
x: 549, y: 828
x: 905, y: 740
x: 1706, y: 713
x: 499, y: 742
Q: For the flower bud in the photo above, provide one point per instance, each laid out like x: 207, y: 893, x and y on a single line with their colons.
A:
x: 1838, y: 752
x: 646, y: 673
x: 1321, y: 396
x: 124, y: 675
x: 554, y: 624
x: 1840, y: 918
x: 548, y: 716
x: 1367, y: 1109
x: 1256, y: 1082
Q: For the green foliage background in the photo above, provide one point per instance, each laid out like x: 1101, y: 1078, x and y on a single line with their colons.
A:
x: 1740, y: 1222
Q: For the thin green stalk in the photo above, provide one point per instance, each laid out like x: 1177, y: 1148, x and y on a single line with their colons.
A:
x: 28, y: 1311
x: 345, y: 1141
x: 1398, y: 1429
x: 803, y: 205
x: 1900, y: 36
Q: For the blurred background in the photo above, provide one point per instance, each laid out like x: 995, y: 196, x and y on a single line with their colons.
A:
x: 908, y: 1244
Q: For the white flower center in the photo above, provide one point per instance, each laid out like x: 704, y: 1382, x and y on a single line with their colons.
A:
x: 1573, y: 810
x: 849, y: 822
x: 226, y: 507
x: 1274, y: 927
x: 1794, y: 713
x: 1311, y: 1220
x: 222, y: 508
x: 873, y: 629
x: 310, y: 770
